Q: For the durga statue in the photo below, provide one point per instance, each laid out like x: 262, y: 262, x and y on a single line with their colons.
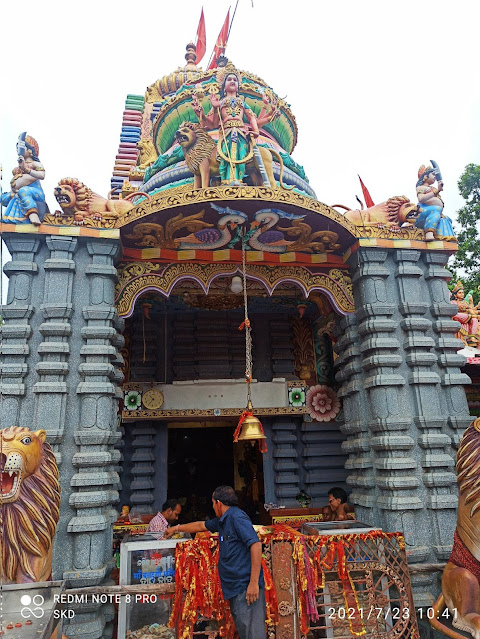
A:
x: 237, y: 138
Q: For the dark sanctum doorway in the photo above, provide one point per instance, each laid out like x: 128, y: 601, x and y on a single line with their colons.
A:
x: 202, y: 457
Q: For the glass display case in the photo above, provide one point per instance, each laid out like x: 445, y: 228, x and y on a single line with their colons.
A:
x: 146, y: 561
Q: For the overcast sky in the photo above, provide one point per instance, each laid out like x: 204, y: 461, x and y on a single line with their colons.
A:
x: 377, y: 87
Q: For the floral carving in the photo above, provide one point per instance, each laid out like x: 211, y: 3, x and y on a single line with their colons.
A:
x: 284, y: 583
x: 133, y: 400
x: 322, y: 403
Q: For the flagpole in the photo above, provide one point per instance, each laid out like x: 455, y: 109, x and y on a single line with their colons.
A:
x: 231, y: 22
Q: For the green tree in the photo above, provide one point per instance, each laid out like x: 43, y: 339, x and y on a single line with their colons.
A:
x: 466, y: 264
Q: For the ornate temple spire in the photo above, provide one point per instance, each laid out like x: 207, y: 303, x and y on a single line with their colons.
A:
x: 191, y: 57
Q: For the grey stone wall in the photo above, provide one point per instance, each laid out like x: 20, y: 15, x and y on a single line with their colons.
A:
x: 404, y: 401
x: 61, y: 371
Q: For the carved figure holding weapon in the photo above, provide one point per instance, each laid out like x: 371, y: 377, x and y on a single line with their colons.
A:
x: 430, y: 204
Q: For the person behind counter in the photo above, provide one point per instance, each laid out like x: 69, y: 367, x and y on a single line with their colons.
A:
x: 171, y: 510
x: 337, y: 509
x: 239, y: 564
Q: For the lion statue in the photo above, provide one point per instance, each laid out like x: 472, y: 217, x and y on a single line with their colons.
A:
x: 393, y: 213
x: 79, y: 201
x: 200, y: 152
x: 148, y: 154
x: 461, y: 576
x: 30, y: 500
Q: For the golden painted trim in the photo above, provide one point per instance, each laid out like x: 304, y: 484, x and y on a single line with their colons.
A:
x: 134, y: 415
x: 185, y: 196
x: 138, y: 277
x: 401, y: 243
x: 71, y: 231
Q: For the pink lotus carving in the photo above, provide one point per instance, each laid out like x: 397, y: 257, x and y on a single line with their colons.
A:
x: 322, y: 403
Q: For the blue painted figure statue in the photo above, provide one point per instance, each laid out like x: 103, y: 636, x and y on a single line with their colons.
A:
x: 430, y: 206
x: 25, y: 204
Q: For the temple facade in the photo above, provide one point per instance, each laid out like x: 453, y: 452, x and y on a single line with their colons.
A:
x: 121, y: 334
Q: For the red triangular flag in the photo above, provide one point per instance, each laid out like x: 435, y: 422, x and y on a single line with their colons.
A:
x: 201, y: 44
x: 368, y: 200
x: 221, y: 43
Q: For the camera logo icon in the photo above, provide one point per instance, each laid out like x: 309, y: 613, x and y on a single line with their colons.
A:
x: 37, y: 611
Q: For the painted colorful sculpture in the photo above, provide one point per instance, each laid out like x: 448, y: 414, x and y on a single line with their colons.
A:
x: 25, y: 204
x: 227, y: 114
x: 467, y: 315
x: 393, y: 213
x: 212, y: 238
x: 203, y: 160
x: 147, y: 153
x: 78, y: 201
x: 461, y: 577
x: 262, y: 237
x: 237, y: 154
x: 430, y: 205
x: 29, y: 505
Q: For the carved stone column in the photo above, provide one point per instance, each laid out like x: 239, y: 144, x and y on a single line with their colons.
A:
x: 356, y: 411
x: 285, y: 461
x: 95, y: 480
x: 416, y: 403
x: 143, y: 467
x: 60, y: 372
x: 18, y: 354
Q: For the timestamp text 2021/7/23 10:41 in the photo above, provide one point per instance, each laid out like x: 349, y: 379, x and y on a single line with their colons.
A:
x: 393, y: 613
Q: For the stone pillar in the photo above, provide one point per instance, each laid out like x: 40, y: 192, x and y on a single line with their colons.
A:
x: 143, y: 467
x: 356, y: 411
x: 285, y: 461
x: 404, y: 391
x: 25, y: 292
x: 60, y: 372
x: 323, y: 460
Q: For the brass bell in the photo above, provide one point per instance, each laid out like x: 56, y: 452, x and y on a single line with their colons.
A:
x: 251, y: 428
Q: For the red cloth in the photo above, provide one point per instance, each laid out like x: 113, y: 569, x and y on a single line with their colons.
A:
x: 463, y: 558
x: 221, y: 43
x: 201, y: 45
x: 368, y: 200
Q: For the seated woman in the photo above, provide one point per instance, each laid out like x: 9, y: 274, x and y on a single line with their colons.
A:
x: 337, y: 509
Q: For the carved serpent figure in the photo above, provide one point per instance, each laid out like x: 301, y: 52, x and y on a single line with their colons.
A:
x: 461, y: 577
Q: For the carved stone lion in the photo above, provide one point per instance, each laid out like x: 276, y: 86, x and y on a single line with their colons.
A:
x: 79, y: 201
x: 29, y: 503
x: 148, y: 154
x: 394, y: 212
x: 200, y: 152
x: 461, y: 576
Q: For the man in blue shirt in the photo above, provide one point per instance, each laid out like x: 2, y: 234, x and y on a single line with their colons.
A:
x: 239, y: 563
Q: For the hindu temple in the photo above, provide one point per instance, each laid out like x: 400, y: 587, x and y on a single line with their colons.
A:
x: 138, y: 327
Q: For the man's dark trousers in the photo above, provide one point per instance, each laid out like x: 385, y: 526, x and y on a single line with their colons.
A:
x: 249, y: 619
